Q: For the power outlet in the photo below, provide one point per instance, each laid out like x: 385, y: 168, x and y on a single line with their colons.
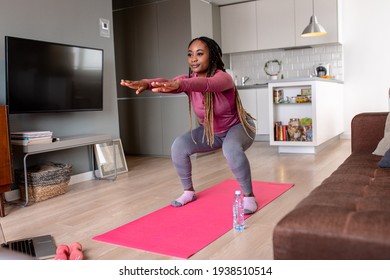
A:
x: 104, y: 25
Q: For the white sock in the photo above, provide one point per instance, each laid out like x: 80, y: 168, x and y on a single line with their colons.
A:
x: 185, y: 198
x: 250, y: 204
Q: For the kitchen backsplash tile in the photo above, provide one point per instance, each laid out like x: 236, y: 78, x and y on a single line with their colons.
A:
x: 296, y: 63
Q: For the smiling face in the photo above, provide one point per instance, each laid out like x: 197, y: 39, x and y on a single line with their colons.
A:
x: 198, y: 58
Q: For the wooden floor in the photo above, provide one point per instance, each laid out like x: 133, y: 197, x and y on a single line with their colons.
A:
x: 94, y: 207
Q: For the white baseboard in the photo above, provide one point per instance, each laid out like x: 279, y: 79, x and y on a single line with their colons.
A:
x: 81, y: 177
x: 15, y: 194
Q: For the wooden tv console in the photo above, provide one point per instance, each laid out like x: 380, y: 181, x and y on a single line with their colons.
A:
x: 6, y: 168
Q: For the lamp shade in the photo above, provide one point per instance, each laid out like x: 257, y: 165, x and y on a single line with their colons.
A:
x: 314, y: 28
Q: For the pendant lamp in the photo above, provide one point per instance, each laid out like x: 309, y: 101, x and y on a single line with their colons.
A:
x: 314, y: 28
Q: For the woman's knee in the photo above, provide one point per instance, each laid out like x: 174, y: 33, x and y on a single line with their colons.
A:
x: 177, y: 144
x: 231, y: 150
x: 182, y: 145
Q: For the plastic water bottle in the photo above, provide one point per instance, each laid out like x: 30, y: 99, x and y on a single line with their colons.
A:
x: 238, y: 212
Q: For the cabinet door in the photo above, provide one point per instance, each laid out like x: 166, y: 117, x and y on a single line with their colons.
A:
x: 327, y: 13
x: 174, y: 34
x: 202, y: 23
x: 136, y: 46
x: 275, y: 24
x: 141, y: 125
x: 238, y: 27
x: 262, y: 111
x: 248, y: 98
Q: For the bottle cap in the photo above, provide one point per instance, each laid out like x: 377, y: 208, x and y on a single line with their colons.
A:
x: 238, y: 192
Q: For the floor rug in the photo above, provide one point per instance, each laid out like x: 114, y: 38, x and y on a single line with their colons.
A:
x: 181, y: 232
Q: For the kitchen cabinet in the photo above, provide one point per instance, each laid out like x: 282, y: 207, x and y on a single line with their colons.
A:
x: 328, y: 13
x: 275, y: 24
x: 238, y: 27
x: 136, y: 45
x: 255, y: 102
x: 149, y: 122
x: 143, y: 42
x: 262, y: 113
x: 249, y: 101
x: 308, y: 126
x: 140, y: 125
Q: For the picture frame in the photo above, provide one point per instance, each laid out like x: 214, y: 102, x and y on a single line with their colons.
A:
x: 104, y: 156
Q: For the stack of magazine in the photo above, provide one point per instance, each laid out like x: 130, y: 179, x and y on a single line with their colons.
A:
x: 31, y: 137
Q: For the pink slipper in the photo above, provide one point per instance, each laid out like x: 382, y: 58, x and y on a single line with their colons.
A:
x: 250, y: 205
x: 186, y: 197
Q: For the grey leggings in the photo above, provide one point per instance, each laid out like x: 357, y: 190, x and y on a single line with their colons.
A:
x: 233, y: 143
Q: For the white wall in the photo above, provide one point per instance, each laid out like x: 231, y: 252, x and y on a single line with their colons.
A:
x: 366, y: 44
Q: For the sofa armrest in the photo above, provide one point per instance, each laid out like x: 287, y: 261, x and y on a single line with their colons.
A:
x: 367, y: 129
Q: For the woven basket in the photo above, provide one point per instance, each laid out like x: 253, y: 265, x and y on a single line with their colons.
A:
x: 45, y: 181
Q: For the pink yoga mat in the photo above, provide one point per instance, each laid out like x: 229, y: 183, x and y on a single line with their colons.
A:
x: 183, y: 231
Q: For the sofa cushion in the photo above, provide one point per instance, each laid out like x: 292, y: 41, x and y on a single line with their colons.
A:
x: 384, y: 144
x: 348, y: 178
x: 380, y: 190
x: 346, y: 187
x: 331, y: 199
x: 368, y: 160
x: 380, y: 181
x: 373, y: 203
x: 382, y: 172
x: 350, y: 169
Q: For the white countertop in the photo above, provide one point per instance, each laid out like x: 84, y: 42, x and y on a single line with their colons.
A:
x: 289, y: 80
x: 305, y: 79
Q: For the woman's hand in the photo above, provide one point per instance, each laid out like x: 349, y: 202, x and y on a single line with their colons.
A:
x: 139, y: 86
x: 165, y: 86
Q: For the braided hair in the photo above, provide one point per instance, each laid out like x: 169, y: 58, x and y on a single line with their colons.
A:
x: 216, y: 63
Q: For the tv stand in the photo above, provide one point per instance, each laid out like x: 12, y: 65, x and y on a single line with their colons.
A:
x: 67, y: 143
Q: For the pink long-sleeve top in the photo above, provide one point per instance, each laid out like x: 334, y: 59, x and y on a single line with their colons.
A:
x: 222, y: 85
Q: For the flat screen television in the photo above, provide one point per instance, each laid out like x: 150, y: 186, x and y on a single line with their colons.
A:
x: 47, y: 77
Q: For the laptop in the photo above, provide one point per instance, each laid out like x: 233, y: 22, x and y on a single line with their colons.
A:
x: 40, y: 247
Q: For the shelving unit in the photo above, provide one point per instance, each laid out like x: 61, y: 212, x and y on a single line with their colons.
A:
x: 66, y: 143
x: 324, y: 108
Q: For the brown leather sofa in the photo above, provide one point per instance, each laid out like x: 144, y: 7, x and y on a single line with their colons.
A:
x: 348, y: 215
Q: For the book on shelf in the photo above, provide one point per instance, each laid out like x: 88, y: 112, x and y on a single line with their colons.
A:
x: 280, y: 132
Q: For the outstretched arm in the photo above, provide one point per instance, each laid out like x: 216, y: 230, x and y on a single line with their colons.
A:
x: 220, y: 82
